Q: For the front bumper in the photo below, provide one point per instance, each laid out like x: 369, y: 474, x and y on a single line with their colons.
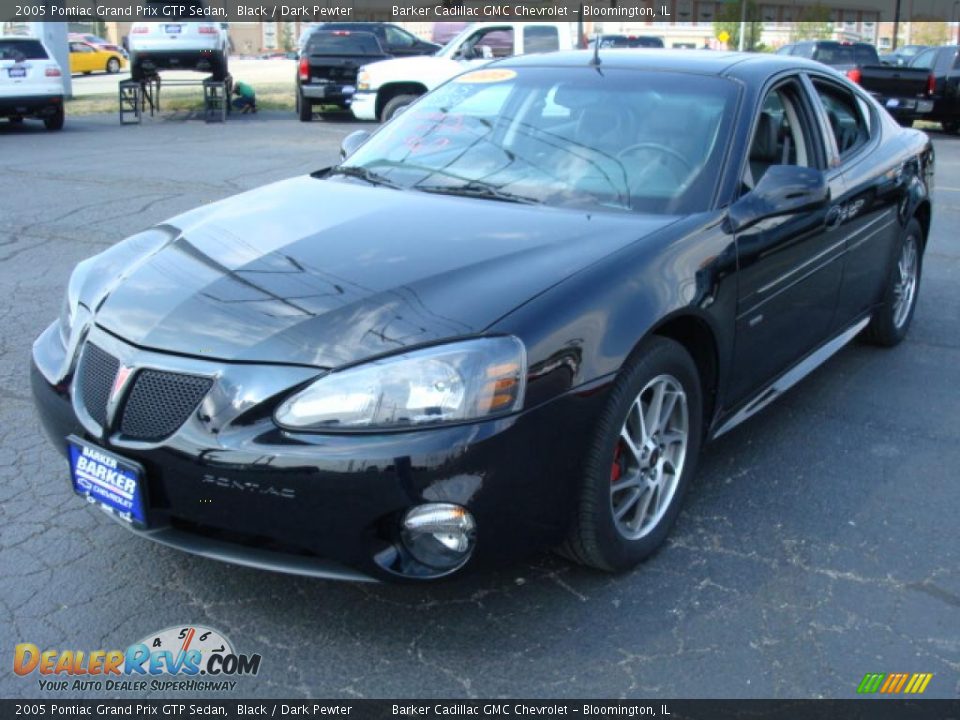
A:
x: 330, y: 505
x: 364, y: 105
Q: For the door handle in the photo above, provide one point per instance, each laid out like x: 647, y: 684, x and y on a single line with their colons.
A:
x: 834, y: 217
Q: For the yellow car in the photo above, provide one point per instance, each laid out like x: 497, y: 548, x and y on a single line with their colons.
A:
x: 86, y: 58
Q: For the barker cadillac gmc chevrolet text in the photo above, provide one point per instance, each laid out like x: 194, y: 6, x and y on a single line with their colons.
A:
x: 508, y: 320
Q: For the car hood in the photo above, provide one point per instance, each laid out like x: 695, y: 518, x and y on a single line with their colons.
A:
x: 328, y: 272
x: 429, y: 69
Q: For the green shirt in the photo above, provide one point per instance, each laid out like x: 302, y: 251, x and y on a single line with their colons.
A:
x: 245, y: 90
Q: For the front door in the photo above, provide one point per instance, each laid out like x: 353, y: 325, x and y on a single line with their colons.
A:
x: 789, y: 267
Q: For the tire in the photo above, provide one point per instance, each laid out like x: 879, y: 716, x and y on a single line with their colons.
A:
x: 304, y: 108
x: 136, y: 69
x: 113, y: 66
x: 596, y: 538
x: 55, y: 122
x: 905, y: 122
x: 891, y: 321
x: 395, y: 105
x: 219, y: 69
x: 950, y: 126
x: 87, y: 72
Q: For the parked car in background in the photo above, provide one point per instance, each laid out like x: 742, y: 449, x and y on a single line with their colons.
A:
x: 86, y: 58
x: 508, y: 321
x: 842, y: 56
x: 97, y: 42
x: 902, y: 55
x: 393, y: 39
x: 177, y: 44
x: 943, y: 66
x: 31, y: 82
x: 385, y: 88
x: 328, y: 66
x: 628, y: 41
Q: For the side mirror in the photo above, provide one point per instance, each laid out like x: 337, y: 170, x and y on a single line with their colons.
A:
x: 783, y: 190
x: 352, y: 142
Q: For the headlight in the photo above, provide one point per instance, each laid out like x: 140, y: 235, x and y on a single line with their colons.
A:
x: 66, y: 319
x: 363, y: 80
x: 469, y: 380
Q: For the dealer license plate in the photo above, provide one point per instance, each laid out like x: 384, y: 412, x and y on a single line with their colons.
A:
x: 17, y: 72
x: 109, y: 480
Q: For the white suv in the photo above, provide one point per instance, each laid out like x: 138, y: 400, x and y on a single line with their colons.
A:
x: 31, y: 83
x: 174, y: 44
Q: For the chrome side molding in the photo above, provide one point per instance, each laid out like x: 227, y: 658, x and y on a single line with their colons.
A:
x: 791, y: 377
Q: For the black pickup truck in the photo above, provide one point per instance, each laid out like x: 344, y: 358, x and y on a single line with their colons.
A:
x: 327, y: 68
x: 904, y: 92
x: 943, y: 65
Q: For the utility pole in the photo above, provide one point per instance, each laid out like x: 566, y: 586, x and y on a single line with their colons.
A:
x: 743, y: 24
x: 896, y: 24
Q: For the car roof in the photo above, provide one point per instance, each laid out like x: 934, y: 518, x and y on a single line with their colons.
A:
x: 704, y: 62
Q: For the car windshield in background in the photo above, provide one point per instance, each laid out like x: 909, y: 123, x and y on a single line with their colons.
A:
x: 343, y: 43
x: 572, y: 137
x: 25, y: 49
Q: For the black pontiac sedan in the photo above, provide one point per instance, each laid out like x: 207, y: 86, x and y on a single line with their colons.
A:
x: 508, y: 320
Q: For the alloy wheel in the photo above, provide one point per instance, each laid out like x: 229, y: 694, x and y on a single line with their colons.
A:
x: 649, y: 456
x: 905, y: 287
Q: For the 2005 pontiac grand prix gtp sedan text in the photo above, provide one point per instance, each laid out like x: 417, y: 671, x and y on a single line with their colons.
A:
x: 508, y: 320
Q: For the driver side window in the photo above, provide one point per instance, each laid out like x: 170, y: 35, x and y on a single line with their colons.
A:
x: 778, y: 137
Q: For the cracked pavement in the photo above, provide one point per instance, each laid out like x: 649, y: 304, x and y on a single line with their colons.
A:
x: 819, y: 543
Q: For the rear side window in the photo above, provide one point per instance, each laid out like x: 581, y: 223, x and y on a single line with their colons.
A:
x: 925, y: 60
x: 847, y: 123
x: 540, y: 39
x: 866, y: 55
x: 17, y: 49
x: 343, y: 43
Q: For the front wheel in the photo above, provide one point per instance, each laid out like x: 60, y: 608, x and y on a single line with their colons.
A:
x: 891, y: 321
x: 640, y: 460
x: 395, y: 105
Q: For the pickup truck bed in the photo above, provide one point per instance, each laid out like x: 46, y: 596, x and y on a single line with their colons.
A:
x: 902, y: 91
x: 327, y: 68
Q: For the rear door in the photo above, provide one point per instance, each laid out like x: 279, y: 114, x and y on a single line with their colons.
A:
x: 872, y: 188
x: 789, y: 267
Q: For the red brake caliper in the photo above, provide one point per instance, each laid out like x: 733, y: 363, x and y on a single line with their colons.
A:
x: 616, y: 471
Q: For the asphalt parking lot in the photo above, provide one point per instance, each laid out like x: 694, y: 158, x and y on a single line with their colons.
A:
x: 821, y: 541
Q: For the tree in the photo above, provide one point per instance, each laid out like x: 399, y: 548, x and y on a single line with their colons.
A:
x: 728, y: 20
x: 814, y: 24
x: 929, y: 33
x: 286, y: 37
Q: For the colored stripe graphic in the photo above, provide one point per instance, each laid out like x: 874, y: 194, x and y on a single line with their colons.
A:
x: 894, y: 683
x: 871, y: 682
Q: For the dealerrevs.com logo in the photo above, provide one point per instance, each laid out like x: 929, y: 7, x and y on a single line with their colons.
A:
x: 185, y: 658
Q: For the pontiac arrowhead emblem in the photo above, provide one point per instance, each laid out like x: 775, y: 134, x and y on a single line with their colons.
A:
x: 119, y: 382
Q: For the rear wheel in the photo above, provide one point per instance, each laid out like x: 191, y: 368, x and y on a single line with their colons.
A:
x: 55, y: 121
x: 113, y: 66
x: 640, y: 461
x: 891, y: 321
x: 395, y: 105
x: 304, y: 108
x: 220, y: 69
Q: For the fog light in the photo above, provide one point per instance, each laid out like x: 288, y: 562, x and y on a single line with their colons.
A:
x: 440, y: 535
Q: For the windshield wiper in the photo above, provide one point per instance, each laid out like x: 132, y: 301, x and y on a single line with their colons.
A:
x: 477, y: 190
x: 356, y: 171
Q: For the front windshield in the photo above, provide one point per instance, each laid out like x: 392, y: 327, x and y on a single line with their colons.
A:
x: 616, y: 139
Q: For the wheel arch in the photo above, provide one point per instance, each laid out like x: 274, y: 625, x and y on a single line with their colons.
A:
x: 390, y: 90
x: 923, y: 214
x: 695, y: 334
